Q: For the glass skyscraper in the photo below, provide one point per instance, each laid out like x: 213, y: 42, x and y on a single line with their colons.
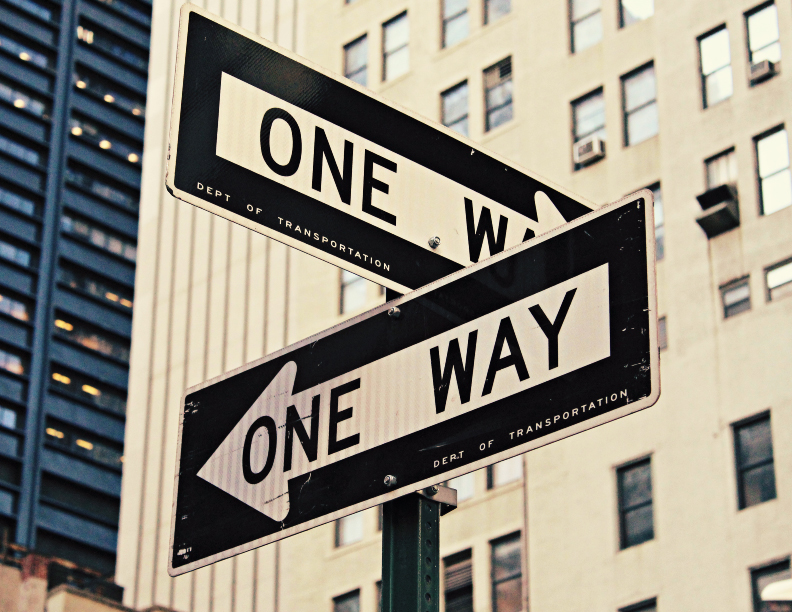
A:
x: 72, y: 106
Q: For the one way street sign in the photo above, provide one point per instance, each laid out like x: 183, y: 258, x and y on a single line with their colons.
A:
x: 265, y: 139
x: 545, y: 340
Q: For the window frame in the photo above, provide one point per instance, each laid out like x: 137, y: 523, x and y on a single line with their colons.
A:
x: 349, y: 45
x: 722, y: 154
x: 515, y: 535
x: 492, y: 485
x: 386, y: 53
x: 733, y: 284
x: 625, y: 113
x: 501, y: 80
x: 739, y: 470
x: 457, y: 558
x: 344, y: 596
x: 622, y: 23
x: 337, y: 532
x: 444, y: 21
x: 703, y: 77
x: 767, y: 270
x: 486, y: 19
x: 622, y: 510
x: 573, y: 22
x: 448, y: 90
x: 749, y: 13
x: 759, y: 179
x: 765, y: 568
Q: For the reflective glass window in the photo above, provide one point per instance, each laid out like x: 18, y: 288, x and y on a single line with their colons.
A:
x: 721, y: 169
x: 495, y: 9
x: 640, y: 105
x: 99, y: 237
x: 775, y: 178
x: 635, y: 503
x: 455, y: 108
x: 753, y: 449
x: 395, y: 47
x: 498, y: 86
x: 632, y: 11
x: 349, y: 529
x: 716, y: 72
x: 506, y: 571
x: 585, y: 23
x: 455, y: 21
x: 779, y: 281
x: 356, y: 60
x: 736, y: 297
x: 763, y: 34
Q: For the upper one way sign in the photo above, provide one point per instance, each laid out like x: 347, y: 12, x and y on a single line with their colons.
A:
x: 542, y: 341
x: 268, y: 140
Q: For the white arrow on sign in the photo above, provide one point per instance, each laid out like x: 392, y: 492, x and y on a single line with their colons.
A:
x: 526, y: 343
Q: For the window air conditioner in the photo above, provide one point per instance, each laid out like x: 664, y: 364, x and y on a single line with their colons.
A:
x: 721, y: 210
x: 761, y: 71
x: 588, y: 150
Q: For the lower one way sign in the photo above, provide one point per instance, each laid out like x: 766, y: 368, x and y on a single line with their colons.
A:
x: 545, y: 340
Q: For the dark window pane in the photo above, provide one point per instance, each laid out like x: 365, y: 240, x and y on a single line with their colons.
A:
x: 736, y: 298
x: 347, y: 603
x: 759, y: 485
x: 508, y: 596
x: 636, y: 485
x: 506, y: 559
x: 638, y: 525
x: 459, y: 582
x: 764, y: 577
x: 755, y: 443
x: 635, y: 503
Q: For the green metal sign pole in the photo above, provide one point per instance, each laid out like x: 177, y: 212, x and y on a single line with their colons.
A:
x: 411, y: 550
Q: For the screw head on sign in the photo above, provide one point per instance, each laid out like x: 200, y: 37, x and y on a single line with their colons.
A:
x: 434, y: 242
x: 432, y: 491
x: 390, y: 481
x: 394, y: 312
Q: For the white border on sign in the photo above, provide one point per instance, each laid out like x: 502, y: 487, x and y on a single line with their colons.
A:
x: 645, y: 402
x: 261, y: 229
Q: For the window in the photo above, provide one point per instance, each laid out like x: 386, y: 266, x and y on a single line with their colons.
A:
x: 20, y: 152
x: 89, y: 133
x: 349, y: 529
x: 775, y: 179
x: 350, y: 602
x: 636, y: 522
x: 83, y: 444
x: 507, y: 574
x: 659, y: 221
x: 353, y: 292
x: 662, y: 333
x: 103, y: 90
x: 395, y: 47
x: 18, y: 255
x: 736, y: 297
x: 498, y: 93
x: 495, y: 9
x: 129, y: 11
x: 103, y: 190
x: 87, y: 390
x: 90, y: 338
x: 588, y: 118
x: 17, y: 202
x: 721, y: 169
x: 504, y: 472
x: 640, y: 105
x: 90, y: 35
x: 762, y: 577
x: 8, y: 418
x: 25, y: 53
x: 631, y: 11
x: 85, y: 282
x: 458, y: 570
x: 753, y: 450
x: 763, y: 43
x: 15, y: 308
x: 356, y: 60
x: 24, y: 102
x: 650, y: 605
x: 779, y: 280
x: 11, y: 362
x: 465, y: 486
x: 716, y: 73
x: 86, y: 230
x: 455, y: 108
x: 455, y: 21
x: 585, y: 23
x: 33, y: 8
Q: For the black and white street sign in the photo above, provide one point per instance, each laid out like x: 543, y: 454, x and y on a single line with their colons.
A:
x: 542, y: 341
x: 266, y: 139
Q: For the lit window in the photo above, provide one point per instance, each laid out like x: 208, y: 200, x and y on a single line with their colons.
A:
x: 85, y: 35
x: 92, y: 339
x: 779, y: 281
x: 86, y: 282
x: 662, y: 333
x: 356, y: 60
x: 23, y: 101
x: 465, y: 486
x: 775, y: 179
x: 108, y: 92
x: 350, y: 602
x: 455, y: 21
x: 736, y: 297
x: 716, y: 72
x: 89, y: 391
x: 395, y: 47
x: 26, y: 54
x: 659, y: 221
x: 349, y: 529
x: 763, y: 35
x: 721, y: 169
x: 753, y: 450
x: 762, y: 577
x: 98, y: 237
x: 55, y: 433
x: 458, y: 569
x: 507, y: 574
x: 19, y: 256
x: 70, y: 439
x: 14, y: 308
x: 498, y: 94
x: 640, y: 105
x: 495, y: 9
x: 631, y: 11
x: 635, y: 503
x: 585, y: 23
x: 455, y: 108
x: 508, y: 470
x: 353, y: 292
x: 134, y: 57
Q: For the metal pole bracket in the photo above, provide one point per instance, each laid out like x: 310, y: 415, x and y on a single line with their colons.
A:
x: 443, y: 495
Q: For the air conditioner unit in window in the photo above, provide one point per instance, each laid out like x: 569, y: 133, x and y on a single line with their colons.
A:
x: 588, y: 150
x: 761, y: 71
x: 721, y: 211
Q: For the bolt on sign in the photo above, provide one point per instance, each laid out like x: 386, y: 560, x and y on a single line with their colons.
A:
x: 547, y: 339
x: 270, y: 141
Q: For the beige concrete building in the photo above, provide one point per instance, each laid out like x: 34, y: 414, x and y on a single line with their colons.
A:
x: 686, y: 505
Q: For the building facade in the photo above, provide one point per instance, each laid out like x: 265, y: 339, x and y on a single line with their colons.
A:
x: 683, y: 503
x: 73, y: 78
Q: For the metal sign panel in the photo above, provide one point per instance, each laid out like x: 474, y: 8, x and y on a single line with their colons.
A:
x: 542, y: 341
x: 268, y: 140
